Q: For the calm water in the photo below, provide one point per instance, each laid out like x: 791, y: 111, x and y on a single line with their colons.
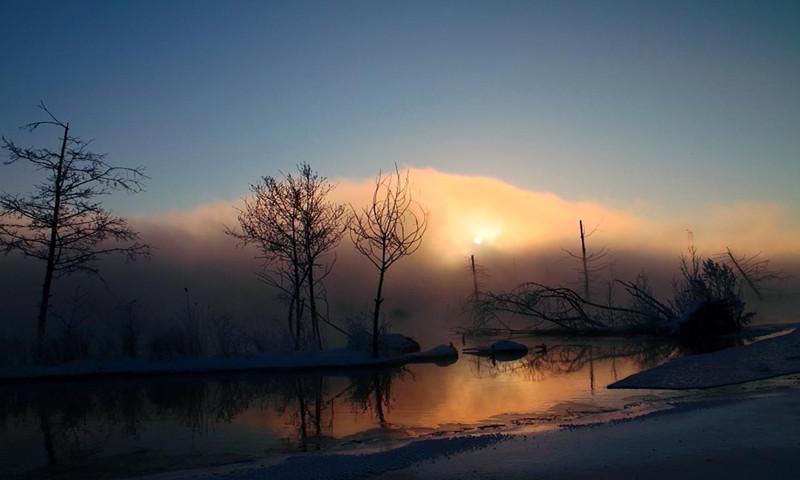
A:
x: 122, y: 428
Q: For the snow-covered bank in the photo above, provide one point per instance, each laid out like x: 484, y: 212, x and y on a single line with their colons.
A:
x: 346, y: 467
x: 755, y: 438
x: 333, y: 359
x: 763, y: 359
x: 756, y: 435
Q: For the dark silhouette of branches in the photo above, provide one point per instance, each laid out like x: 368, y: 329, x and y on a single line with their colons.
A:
x: 323, y: 224
x: 63, y: 222
x: 590, y: 263
x: 388, y: 229
x: 474, y: 304
x: 270, y: 219
x: 558, y: 306
x: 294, y: 225
x: 706, y: 302
x: 754, y: 270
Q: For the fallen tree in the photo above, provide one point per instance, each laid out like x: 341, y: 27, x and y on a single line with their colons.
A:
x: 706, y: 301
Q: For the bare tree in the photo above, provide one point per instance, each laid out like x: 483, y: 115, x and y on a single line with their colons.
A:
x: 63, y: 223
x: 270, y: 219
x: 591, y: 263
x: 754, y: 270
x: 295, y: 225
x: 322, y: 224
x: 388, y: 229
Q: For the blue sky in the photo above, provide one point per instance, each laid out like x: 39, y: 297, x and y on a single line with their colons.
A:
x: 654, y: 105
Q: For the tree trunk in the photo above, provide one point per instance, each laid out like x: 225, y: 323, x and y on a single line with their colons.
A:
x: 585, y: 266
x: 312, y: 302
x: 474, y: 276
x: 745, y: 276
x: 51, y: 247
x: 291, y: 316
x: 376, y: 316
x: 297, y: 306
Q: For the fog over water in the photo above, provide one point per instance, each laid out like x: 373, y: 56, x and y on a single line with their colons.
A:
x: 515, y: 234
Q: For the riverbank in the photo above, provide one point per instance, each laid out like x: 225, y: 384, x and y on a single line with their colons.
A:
x: 768, y: 358
x: 738, y: 438
x: 290, y: 362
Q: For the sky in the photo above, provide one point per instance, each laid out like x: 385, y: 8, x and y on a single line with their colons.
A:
x: 658, y: 108
x: 514, y: 119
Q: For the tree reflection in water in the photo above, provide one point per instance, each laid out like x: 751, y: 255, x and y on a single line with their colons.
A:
x: 83, y: 426
x: 562, y: 357
x: 76, y: 420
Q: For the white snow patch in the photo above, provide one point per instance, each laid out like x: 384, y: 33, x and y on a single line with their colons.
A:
x: 768, y: 358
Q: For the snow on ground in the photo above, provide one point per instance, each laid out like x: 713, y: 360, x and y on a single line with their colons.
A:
x: 750, y: 438
x: 755, y: 435
x: 763, y: 359
x: 266, y: 362
x: 345, y: 467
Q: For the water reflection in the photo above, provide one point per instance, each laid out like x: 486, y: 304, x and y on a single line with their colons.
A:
x: 138, y: 426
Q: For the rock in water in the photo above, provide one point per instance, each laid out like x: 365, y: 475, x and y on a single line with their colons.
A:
x: 507, y: 346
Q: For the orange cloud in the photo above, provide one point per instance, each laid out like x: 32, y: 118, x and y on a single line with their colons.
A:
x: 470, y: 213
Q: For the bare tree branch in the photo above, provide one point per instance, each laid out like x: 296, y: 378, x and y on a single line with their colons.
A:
x: 388, y: 229
x: 61, y: 222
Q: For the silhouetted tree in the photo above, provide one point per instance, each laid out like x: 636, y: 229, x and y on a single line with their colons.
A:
x: 388, y: 229
x: 322, y: 224
x: 591, y: 263
x: 754, y: 270
x: 270, y: 218
x: 295, y: 225
x: 63, y: 223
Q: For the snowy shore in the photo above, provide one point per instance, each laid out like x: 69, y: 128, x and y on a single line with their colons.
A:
x: 329, y: 360
x: 768, y: 358
x: 738, y: 439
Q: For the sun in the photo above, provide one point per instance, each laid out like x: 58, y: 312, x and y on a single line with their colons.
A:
x: 485, y: 234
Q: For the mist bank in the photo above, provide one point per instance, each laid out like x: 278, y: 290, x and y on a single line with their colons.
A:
x: 516, y: 235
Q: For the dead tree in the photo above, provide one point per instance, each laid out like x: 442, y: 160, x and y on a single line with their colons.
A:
x: 591, y: 263
x: 388, y: 229
x: 63, y: 223
x: 475, y: 307
x: 564, y: 309
x: 754, y: 270
x: 474, y: 277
